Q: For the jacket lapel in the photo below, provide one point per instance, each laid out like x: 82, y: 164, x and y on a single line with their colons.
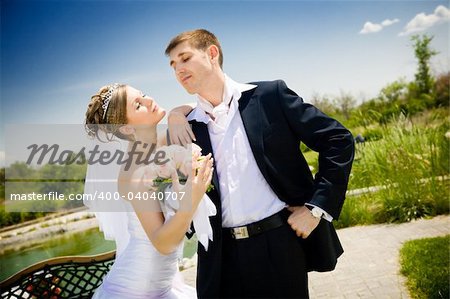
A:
x: 249, y: 107
x: 200, y: 130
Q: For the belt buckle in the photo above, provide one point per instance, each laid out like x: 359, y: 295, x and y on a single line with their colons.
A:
x: 240, y: 232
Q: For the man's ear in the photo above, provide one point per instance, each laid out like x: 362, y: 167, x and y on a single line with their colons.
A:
x: 213, y: 53
x: 127, y: 130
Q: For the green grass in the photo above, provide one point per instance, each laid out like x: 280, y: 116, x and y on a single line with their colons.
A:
x: 405, y: 154
x: 360, y: 210
x: 425, y: 263
x: 409, y: 159
x: 408, y: 156
x: 385, y: 206
x: 312, y: 159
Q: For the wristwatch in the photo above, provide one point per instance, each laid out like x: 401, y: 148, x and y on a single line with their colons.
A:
x: 315, y: 211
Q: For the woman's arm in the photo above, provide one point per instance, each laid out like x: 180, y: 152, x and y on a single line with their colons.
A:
x: 166, y: 236
x: 179, y: 129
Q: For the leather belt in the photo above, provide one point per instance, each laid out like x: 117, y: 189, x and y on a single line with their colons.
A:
x: 255, y: 228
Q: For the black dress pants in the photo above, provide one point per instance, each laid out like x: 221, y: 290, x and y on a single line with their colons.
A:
x: 267, y: 265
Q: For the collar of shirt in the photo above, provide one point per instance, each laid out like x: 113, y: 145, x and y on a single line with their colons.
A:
x: 232, y: 90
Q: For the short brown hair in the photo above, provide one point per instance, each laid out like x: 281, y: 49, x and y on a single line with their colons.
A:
x: 200, y: 39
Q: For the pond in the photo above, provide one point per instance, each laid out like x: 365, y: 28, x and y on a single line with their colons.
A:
x: 89, y: 242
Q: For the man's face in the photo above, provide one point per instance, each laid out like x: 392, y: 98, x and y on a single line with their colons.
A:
x: 192, y: 67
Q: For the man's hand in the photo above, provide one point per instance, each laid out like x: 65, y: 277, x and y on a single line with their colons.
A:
x: 302, y: 221
x: 180, y: 131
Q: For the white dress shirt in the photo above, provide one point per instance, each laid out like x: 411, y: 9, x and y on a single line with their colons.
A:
x: 246, y: 197
x: 245, y: 194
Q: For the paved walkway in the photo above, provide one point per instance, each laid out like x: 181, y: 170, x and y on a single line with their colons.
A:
x: 369, y: 267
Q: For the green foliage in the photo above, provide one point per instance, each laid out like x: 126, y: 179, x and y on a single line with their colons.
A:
x: 394, y: 92
x: 2, y: 179
x: 304, y: 148
x: 408, y: 160
x: 312, y: 158
x: 20, y: 170
x: 345, y: 104
x: 373, y: 134
x: 377, y: 111
x: 425, y: 263
x: 442, y: 88
x: 11, y: 218
x: 409, y: 98
x: 64, y: 179
x: 323, y: 103
x: 423, y: 53
x: 360, y: 210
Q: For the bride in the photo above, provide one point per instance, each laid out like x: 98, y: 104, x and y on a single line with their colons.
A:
x: 149, y: 234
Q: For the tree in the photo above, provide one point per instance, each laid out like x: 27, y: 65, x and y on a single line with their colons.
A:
x: 345, y: 103
x: 2, y: 177
x: 20, y: 170
x: 423, y: 53
x: 394, y: 92
x: 323, y: 103
x: 442, y: 89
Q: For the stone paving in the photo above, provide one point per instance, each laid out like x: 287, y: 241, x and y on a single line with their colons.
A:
x: 369, y: 267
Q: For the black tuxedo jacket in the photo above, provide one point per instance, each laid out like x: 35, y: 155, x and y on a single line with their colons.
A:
x: 276, y: 120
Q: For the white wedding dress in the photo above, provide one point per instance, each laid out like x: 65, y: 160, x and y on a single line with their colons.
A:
x: 140, y: 271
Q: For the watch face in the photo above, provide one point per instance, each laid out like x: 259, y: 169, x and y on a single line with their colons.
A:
x: 316, y: 213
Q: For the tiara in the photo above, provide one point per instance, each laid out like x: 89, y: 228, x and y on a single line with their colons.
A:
x: 108, y: 96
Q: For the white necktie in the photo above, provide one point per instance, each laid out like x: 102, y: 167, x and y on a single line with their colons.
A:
x: 220, y: 114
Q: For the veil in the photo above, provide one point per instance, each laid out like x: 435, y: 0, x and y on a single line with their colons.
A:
x: 101, y: 184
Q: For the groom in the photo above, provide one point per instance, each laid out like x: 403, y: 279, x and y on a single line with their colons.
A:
x: 274, y: 219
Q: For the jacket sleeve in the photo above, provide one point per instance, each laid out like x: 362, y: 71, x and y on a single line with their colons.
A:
x: 330, y: 139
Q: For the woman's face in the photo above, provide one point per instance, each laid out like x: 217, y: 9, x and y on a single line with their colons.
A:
x: 142, y: 109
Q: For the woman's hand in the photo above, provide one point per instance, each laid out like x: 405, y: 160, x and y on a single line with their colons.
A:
x: 180, y: 131
x: 200, y: 178
x: 165, y: 235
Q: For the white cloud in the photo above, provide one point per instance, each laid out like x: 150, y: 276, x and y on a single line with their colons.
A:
x: 388, y: 22
x: 370, y: 27
x: 422, y: 21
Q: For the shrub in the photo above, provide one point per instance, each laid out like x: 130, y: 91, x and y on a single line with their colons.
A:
x: 373, y: 134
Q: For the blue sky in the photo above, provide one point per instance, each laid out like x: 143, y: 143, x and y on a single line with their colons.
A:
x: 56, y: 54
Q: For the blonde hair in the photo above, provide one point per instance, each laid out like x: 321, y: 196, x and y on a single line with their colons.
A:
x: 200, y: 39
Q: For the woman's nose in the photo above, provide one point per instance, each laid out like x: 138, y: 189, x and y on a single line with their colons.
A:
x: 148, y: 101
